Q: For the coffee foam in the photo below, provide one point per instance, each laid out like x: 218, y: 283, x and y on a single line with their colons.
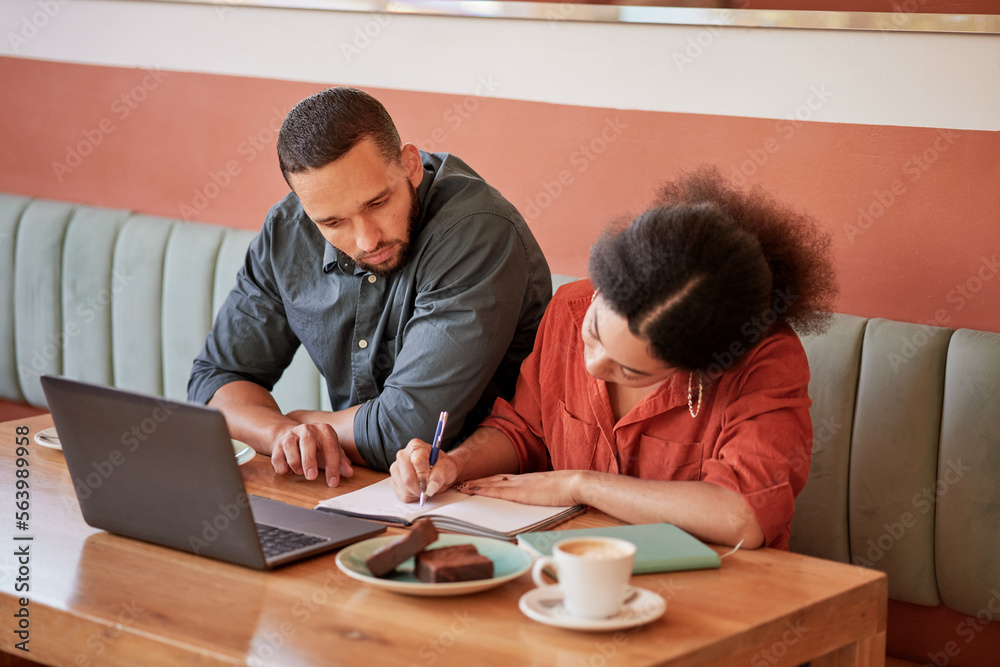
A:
x: 594, y: 550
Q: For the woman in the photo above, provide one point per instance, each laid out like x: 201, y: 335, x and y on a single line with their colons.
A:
x: 670, y: 386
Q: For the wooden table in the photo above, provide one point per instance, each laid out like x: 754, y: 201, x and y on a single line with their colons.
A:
x: 99, y: 599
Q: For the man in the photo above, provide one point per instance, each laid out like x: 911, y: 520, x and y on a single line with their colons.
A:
x: 414, y: 286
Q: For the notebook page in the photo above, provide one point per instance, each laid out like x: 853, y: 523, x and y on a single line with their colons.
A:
x: 503, y: 516
x: 378, y: 500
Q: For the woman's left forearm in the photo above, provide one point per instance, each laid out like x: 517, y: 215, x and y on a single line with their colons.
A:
x: 710, y: 512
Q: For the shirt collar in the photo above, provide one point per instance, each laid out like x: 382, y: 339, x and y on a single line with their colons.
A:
x: 335, y: 259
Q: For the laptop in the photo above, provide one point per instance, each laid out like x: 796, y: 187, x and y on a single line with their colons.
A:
x: 166, y: 472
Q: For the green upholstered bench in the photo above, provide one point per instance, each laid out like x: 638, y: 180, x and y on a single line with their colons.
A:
x: 905, y: 477
x: 109, y: 297
x: 905, y: 473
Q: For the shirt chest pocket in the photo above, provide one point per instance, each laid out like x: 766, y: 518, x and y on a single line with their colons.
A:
x: 387, y: 343
x: 659, y: 458
x: 579, y: 443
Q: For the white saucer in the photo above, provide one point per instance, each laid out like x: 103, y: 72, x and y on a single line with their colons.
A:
x: 544, y: 604
x: 48, y: 437
x: 244, y: 452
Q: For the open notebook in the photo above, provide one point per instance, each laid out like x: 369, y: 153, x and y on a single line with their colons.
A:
x: 450, y: 510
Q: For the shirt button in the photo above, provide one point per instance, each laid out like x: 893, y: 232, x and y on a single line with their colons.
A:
x: 372, y: 279
x: 362, y: 343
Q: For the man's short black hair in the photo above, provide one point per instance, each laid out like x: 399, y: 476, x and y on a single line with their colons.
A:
x: 323, y: 127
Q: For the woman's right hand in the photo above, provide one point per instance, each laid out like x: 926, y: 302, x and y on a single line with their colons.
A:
x: 413, y: 464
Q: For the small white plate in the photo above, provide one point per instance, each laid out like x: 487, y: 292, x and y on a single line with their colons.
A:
x: 545, y: 605
x: 244, y: 452
x: 48, y: 437
x: 509, y: 562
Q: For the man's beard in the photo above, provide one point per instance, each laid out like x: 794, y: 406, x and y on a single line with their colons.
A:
x: 405, y: 245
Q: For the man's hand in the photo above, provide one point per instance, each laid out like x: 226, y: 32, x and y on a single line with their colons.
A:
x: 306, y: 448
x: 413, y: 464
x: 326, y: 441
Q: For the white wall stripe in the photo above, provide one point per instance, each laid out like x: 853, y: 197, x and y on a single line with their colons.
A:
x: 890, y: 78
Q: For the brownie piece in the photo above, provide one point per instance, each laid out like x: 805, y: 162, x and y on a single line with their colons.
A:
x: 386, y: 558
x: 461, y: 562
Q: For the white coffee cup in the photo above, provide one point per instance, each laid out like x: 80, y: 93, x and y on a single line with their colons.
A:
x: 593, y: 574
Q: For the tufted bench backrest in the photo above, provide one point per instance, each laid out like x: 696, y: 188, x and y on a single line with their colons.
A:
x: 905, y: 476
x: 109, y: 297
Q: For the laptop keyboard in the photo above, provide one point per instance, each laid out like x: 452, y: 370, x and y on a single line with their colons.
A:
x: 277, y: 541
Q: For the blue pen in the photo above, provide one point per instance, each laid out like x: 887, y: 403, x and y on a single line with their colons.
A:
x: 435, y: 448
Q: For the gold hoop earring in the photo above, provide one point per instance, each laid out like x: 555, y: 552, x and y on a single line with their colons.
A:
x: 593, y: 296
x: 691, y: 407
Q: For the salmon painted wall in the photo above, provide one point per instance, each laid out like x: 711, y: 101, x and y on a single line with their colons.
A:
x: 909, y: 197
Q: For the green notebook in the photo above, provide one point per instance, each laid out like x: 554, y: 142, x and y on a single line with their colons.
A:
x: 660, y: 547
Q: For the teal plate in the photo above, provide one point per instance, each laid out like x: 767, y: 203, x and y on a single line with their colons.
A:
x: 509, y: 562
